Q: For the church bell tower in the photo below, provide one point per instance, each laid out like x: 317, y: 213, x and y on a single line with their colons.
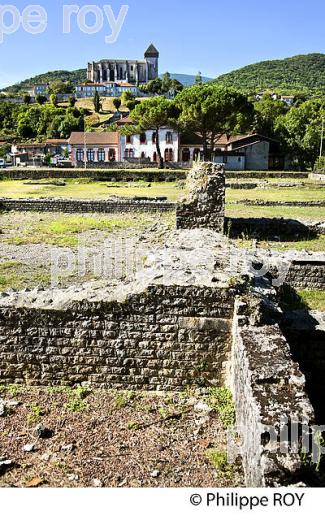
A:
x: 152, y: 58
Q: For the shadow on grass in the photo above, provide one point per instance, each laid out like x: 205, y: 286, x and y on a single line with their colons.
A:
x: 275, y: 229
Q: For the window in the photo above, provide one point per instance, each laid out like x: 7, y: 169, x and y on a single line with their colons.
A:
x: 90, y: 155
x: 155, y: 157
x: 186, y: 155
x: 129, y: 153
x: 169, y: 155
x: 196, y: 154
x: 143, y: 155
x: 80, y: 154
x: 154, y: 137
x: 111, y: 154
x: 169, y: 137
x: 101, y: 155
x: 128, y: 139
x: 143, y: 138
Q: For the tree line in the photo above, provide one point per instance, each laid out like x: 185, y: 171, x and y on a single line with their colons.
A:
x: 212, y: 110
x: 207, y: 109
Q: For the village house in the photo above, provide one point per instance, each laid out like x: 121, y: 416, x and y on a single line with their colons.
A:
x: 142, y: 147
x: 28, y: 153
x: 242, y: 152
x: 38, y: 89
x: 57, y: 146
x: 288, y: 100
x: 94, y: 148
x: 110, y: 89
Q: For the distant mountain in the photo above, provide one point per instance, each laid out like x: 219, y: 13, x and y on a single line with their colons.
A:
x: 187, y: 80
x: 304, y: 73
x: 78, y: 76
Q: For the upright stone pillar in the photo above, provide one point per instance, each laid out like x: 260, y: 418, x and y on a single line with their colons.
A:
x: 204, y: 204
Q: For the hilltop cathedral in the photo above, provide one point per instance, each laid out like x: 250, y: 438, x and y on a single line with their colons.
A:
x: 125, y: 71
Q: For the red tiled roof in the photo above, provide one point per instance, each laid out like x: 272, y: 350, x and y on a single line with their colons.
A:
x: 94, y: 138
x: 31, y: 145
x: 125, y: 121
x: 57, y: 141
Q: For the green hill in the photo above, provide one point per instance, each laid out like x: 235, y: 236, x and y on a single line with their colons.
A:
x: 187, y: 80
x: 304, y: 73
x: 76, y: 76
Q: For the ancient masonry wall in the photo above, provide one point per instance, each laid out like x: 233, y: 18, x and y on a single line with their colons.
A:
x: 162, y: 339
x: 307, y: 274
x: 204, y: 204
x: 267, y: 386
x: 85, y: 206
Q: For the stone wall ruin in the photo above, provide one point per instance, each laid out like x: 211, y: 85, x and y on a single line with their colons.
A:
x: 204, y: 203
x: 184, y: 320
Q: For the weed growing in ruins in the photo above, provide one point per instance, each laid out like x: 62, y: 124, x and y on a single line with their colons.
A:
x: 35, y: 414
x: 219, y: 460
x: 11, y: 390
x: 133, y: 425
x: 76, y: 399
x: 220, y: 400
x: 123, y: 399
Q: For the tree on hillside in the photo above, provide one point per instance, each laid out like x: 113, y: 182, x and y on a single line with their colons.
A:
x: 300, y: 129
x: 153, y: 114
x: 117, y: 103
x: 267, y: 112
x: 54, y: 100
x: 60, y: 87
x: 211, y: 111
x: 5, y: 150
x: 130, y: 105
x: 198, y: 78
x: 164, y: 85
x: 97, y: 103
x: 27, y: 99
x: 40, y: 99
x: 127, y: 96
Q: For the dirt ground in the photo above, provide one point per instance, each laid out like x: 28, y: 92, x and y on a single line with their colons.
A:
x: 30, y: 243
x: 112, y: 439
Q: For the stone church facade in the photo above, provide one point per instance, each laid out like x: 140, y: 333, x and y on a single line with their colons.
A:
x: 126, y: 71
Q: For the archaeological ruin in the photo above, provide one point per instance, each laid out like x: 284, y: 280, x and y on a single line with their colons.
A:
x: 194, y: 315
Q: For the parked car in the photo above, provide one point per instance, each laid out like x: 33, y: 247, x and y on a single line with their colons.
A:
x: 2, y: 163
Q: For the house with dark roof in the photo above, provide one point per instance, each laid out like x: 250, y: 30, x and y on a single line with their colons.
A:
x: 240, y: 152
x: 94, y: 149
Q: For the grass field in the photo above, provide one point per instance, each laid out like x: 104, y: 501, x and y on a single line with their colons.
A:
x: 86, y: 189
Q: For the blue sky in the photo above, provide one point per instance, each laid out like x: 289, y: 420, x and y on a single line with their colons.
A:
x: 213, y: 36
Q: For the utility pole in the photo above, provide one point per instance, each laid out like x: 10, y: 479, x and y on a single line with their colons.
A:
x: 85, y: 149
x: 322, y: 138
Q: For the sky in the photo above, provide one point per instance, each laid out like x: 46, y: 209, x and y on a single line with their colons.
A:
x: 210, y: 36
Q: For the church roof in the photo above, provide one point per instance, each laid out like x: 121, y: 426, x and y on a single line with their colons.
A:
x: 151, y: 52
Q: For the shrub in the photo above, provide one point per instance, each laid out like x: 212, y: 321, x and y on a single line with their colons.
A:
x: 320, y: 165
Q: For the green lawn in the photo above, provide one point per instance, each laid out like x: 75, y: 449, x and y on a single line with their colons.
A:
x: 277, y: 194
x: 87, y: 189
x: 287, y: 212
